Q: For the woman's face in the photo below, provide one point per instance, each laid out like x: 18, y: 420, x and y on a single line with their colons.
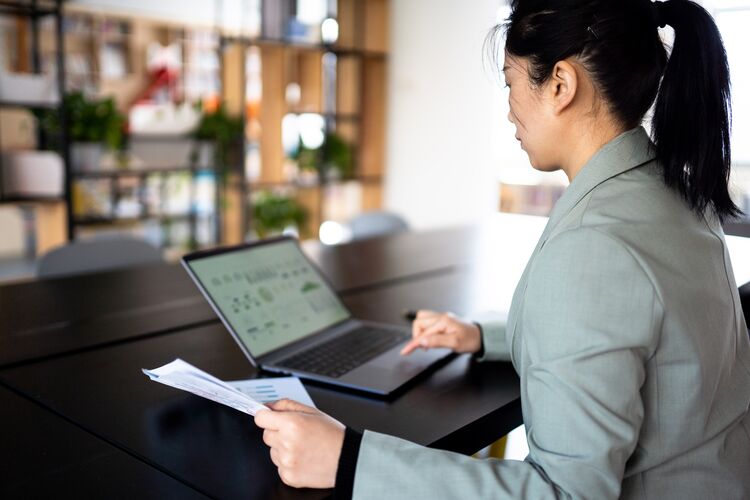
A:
x: 531, y: 114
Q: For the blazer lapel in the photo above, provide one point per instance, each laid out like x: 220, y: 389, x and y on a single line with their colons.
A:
x: 629, y: 150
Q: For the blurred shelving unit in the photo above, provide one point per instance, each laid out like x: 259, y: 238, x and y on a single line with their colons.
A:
x: 297, y: 72
x: 157, y: 190
x: 27, y: 84
x: 297, y: 84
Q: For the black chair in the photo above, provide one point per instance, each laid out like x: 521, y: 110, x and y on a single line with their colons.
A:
x: 81, y: 257
x: 372, y: 224
x: 745, y: 301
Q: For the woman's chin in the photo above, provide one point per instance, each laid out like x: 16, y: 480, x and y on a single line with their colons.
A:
x: 542, y: 167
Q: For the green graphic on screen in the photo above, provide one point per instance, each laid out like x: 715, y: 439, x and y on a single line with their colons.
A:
x: 270, y: 294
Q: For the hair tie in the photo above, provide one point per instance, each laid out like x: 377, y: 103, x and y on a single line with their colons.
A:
x: 660, y: 13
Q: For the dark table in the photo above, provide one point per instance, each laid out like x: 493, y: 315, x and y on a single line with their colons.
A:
x: 168, y: 443
x: 218, y: 450
x: 43, y: 319
x: 45, y: 456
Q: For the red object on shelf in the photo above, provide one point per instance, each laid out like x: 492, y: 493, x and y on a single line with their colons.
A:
x: 161, y: 78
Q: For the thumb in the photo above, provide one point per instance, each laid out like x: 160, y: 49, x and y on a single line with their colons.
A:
x: 291, y: 405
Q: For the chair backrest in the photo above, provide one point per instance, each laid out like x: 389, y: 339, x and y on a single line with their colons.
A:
x: 96, y: 255
x: 371, y: 224
x: 745, y: 301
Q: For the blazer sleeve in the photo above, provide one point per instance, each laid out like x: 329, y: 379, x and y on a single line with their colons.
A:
x: 589, y: 321
x: 494, y: 342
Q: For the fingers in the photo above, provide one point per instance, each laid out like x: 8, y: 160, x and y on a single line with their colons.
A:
x: 430, y: 342
x: 410, y: 347
x: 275, y: 458
x: 424, y: 320
x: 283, y: 411
x: 429, y: 324
x: 291, y: 405
x: 268, y: 420
x: 438, y: 326
x: 271, y: 438
x: 414, y: 344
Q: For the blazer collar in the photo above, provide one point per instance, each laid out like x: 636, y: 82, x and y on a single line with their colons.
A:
x: 625, y: 152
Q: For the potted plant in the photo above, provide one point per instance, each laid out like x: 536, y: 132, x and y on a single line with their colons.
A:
x: 216, y: 135
x: 334, y: 159
x: 92, y: 125
x: 337, y: 159
x: 272, y: 213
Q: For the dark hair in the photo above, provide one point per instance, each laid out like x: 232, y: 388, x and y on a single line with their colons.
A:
x: 618, y: 43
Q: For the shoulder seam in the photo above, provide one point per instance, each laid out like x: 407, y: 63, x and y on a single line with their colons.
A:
x: 620, y: 244
x: 627, y: 250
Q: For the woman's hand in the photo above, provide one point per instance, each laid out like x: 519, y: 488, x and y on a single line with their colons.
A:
x: 305, y: 443
x: 432, y: 329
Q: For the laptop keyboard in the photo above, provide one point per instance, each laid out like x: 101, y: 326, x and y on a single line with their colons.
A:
x: 346, y: 352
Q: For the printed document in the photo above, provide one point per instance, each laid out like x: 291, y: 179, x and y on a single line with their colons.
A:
x: 247, y: 396
x: 182, y: 375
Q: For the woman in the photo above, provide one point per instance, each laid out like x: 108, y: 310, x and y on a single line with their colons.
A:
x: 625, y: 328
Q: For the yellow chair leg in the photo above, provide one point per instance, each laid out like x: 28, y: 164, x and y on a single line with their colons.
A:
x: 497, y: 449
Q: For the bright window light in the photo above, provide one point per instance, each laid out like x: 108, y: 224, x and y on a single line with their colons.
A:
x: 311, y: 128
x: 329, y: 31
x: 290, y: 133
x: 293, y: 94
x: 333, y: 233
x: 733, y: 27
x: 311, y: 11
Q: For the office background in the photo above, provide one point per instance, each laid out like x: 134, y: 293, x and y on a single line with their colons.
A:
x: 420, y: 116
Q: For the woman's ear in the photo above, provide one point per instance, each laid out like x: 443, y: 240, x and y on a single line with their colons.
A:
x: 563, y: 86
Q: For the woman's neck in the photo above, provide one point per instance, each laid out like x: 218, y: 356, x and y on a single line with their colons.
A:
x: 583, y: 146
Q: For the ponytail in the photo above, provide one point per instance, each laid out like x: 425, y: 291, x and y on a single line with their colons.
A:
x: 692, y: 116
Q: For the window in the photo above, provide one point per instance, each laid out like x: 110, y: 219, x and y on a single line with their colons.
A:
x: 733, y: 20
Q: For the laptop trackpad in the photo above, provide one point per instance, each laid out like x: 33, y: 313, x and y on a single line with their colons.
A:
x: 408, y: 365
x: 390, y: 370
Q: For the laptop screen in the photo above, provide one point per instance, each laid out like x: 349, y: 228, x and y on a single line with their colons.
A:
x: 270, y: 294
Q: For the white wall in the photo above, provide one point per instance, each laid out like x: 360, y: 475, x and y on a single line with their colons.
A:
x: 443, y: 109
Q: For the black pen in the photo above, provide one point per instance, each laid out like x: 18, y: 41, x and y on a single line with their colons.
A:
x: 409, y: 314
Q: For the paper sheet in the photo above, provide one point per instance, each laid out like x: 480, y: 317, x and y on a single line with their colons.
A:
x: 267, y: 390
x: 182, y: 375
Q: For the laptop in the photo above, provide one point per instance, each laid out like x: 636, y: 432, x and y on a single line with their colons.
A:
x: 287, y: 319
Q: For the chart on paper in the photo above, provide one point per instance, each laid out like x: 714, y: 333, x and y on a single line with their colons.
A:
x: 267, y: 390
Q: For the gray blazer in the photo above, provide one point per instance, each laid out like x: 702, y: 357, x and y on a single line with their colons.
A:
x: 633, y: 353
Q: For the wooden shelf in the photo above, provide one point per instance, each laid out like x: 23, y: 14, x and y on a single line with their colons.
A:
x: 108, y: 174
x: 27, y: 9
x: 328, y: 116
x: 109, y: 221
x: 29, y: 105
x: 374, y: 179
x: 31, y: 199
x: 317, y: 47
